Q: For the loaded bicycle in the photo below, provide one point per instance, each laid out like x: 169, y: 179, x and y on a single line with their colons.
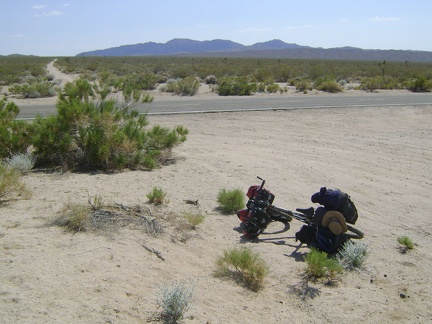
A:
x: 335, y: 218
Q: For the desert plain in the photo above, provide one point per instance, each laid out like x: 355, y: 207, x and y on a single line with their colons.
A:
x: 381, y: 156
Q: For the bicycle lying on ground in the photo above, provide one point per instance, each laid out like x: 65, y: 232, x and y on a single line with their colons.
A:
x: 260, y: 212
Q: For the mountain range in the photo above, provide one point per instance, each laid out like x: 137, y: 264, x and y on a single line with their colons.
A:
x: 270, y: 49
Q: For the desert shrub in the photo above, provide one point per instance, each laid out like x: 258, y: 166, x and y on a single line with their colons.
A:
x: 156, y: 196
x: 406, y: 243
x: 14, y: 134
x: 194, y: 219
x: 352, y: 255
x: 231, y: 200
x: 175, y: 301
x: 261, y: 87
x: 11, y: 184
x: 273, y: 88
x: 96, y: 202
x: 235, y: 86
x: 243, y: 265
x: 421, y: 84
x: 330, y: 86
x: 18, y: 69
x: 37, y: 89
x: 100, y: 134
x: 75, y: 218
x: 378, y: 82
x: 210, y: 79
x: 319, y: 265
x: 302, y: 85
x: 22, y: 162
x: 141, y: 81
x: 185, y: 87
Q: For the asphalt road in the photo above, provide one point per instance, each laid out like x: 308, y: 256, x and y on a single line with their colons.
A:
x: 182, y: 105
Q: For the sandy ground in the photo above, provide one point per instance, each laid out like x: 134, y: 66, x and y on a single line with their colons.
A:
x: 380, y: 156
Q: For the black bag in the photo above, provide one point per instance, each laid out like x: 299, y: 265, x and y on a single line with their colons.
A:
x: 306, y: 234
x: 334, y: 199
x: 320, y: 238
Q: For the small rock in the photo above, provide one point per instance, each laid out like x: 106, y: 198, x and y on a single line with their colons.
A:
x: 402, y: 295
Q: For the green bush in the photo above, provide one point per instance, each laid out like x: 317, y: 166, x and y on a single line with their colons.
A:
x: 37, y: 89
x: 243, y: 265
x: 231, y: 200
x: 330, y: 86
x: 15, y: 135
x: 302, y: 85
x: 352, y: 255
x: 185, y: 87
x: 194, y: 219
x: 273, y: 88
x: 100, y: 134
x: 175, y: 301
x: 235, y: 86
x: 406, y: 243
x: 421, y: 84
x: 379, y: 82
x: 319, y: 265
x: 156, y: 196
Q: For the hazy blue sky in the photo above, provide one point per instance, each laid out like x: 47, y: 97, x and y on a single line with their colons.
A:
x: 68, y: 27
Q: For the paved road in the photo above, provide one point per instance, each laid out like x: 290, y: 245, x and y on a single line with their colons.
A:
x: 175, y: 105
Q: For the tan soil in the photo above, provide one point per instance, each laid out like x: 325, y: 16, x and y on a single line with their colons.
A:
x: 380, y: 156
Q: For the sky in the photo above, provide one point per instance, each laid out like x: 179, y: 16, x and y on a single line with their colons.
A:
x: 69, y: 27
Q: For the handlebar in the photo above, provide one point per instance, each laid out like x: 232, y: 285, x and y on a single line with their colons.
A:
x: 262, y: 182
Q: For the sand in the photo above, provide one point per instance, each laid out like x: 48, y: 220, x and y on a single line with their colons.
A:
x: 381, y: 156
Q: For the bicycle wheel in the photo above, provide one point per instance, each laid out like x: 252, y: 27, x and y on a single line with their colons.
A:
x: 356, y: 234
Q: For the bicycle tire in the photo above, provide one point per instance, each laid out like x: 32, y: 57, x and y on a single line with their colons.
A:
x: 357, y: 233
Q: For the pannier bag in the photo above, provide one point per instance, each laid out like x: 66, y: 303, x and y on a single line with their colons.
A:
x: 334, y: 199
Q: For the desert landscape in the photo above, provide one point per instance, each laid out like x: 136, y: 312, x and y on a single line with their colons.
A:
x: 381, y: 156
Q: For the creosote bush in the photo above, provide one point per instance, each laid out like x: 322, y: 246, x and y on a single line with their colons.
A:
x: 319, y: 265
x: 231, y: 200
x: 244, y: 266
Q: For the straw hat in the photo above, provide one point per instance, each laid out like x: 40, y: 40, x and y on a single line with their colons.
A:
x: 335, y: 222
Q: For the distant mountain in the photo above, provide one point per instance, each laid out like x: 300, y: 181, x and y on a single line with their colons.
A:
x: 270, y: 49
